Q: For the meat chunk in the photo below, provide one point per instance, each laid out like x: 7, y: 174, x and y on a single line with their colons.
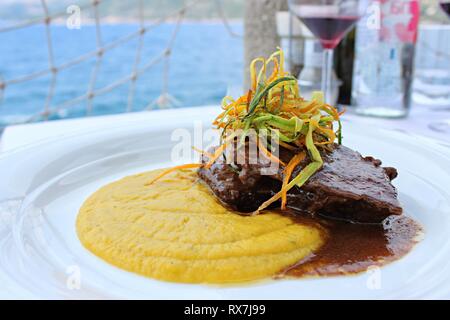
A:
x: 347, y: 187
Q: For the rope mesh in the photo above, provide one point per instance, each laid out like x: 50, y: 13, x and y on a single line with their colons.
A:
x: 164, y: 100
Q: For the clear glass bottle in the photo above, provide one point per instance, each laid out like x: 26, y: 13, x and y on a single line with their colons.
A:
x: 384, y: 58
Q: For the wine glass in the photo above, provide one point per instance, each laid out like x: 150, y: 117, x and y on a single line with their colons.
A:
x: 329, y: 21
x: 445, y: 5
x: 443, y: 125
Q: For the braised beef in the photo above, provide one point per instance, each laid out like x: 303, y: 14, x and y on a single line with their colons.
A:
x: 348, y: 186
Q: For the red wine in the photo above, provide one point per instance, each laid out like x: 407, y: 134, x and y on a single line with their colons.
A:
x: 446, y: 7
x: 330, y: 30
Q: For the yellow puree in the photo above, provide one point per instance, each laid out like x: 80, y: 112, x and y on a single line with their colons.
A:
x: 176, y: 230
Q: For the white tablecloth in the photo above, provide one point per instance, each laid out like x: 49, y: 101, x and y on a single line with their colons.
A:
x: 20, y: 135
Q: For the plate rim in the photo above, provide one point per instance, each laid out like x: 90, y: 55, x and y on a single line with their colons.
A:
x: 431, y: 143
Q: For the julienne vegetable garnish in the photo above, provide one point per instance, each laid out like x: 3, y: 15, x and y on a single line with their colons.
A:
x: 273, y: 104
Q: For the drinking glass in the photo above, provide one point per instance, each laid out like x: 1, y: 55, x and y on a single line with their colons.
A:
x: 444, y: 125
x: 329, y: 21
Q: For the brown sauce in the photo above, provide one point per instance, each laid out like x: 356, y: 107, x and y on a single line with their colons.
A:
x: 352, y: 248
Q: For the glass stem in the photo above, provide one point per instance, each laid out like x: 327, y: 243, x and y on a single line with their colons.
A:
x: 327, y: 71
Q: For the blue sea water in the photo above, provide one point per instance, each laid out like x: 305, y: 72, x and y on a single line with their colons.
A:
x: 205, y: 62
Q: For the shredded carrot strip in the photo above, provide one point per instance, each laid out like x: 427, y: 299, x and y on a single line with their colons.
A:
x: 166, y: 172
x: 270, y: 201
x: 306, y: 172
x: 287, y: 146
x: 216, y: 155
x: 219, y: 117
x: 268, y: 153
x: 328, y: 132
x: 287, y: 175
x: 210, y: 155
x: 332, y: 110
x: 313, y: 105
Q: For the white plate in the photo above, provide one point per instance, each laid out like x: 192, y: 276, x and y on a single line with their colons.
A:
x: 42, y: 187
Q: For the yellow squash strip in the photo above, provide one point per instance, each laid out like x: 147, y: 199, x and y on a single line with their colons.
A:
x: 253, y: 71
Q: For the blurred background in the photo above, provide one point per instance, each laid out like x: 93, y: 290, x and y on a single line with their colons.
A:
x: 140, y: 51
x: 77, y: 58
